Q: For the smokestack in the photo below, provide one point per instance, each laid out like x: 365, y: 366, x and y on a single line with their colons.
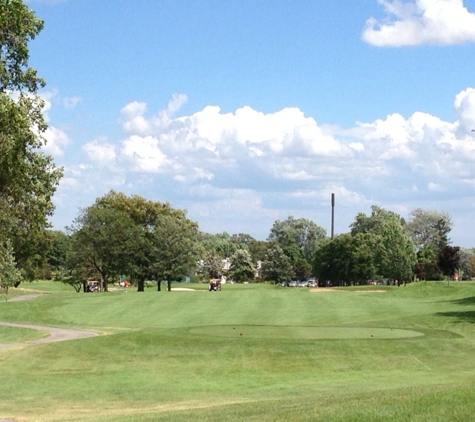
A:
x: 333, y: 215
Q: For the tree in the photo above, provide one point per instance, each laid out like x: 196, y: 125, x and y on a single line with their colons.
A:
x: 332, y: 259
x: 242, y: 268
x: 71, y: 277
x: 243, y: 238
x: 28, y: 177
x: 429, y: 231
x: 297, y: 233
x: 428, y: 228
x: 223, y: 243
x: 125, y: 235
x: 18, y: 26
x: 103, y: 240
x: 210, y: 265
x: 144, y: 215
x: 467, y: 262
x: 174, y: 254
x: 448, y: 260
x: 10, y: 276
x: 396, y: 254
x: 57, y: 255
x: 258, y: 249
x: 277, y: 266
x: 427, y: 267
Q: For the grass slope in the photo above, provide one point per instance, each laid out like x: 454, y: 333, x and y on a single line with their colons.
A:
x: 250, y: 352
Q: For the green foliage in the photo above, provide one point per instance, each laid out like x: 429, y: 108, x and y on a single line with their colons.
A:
x: 277, y: 266
x: 242, y: 267
x: 298, y: 231
x: 429, y: 229
x: 258, y: 249
x: 28, y: 177
x: 18, y: 26
x: 448, y: 260
x: 72, y: 277
x: 210, y: 265
x: 131, y: 235
x: 377, y: 247
x: 10, y: 276
x: 467, y: 262
x: 60, y: 249
x: 102, y: 240
x: 174, y: 251
x: 223, y: 243
x: 427, y: 267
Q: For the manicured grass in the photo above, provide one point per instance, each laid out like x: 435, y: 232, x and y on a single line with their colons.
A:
x: 15, y: 335
x: 250, y: 352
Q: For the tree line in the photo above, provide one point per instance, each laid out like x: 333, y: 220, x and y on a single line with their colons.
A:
x: 145, y: 240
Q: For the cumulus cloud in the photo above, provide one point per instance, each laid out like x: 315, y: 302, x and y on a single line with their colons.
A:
x: 100, y: 151
x: 436, y: 22
x: 236, y: 169
x: 248, y: 148
x: 56, y: 140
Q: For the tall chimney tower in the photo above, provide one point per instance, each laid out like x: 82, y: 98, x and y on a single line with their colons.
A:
x: 333, y: 215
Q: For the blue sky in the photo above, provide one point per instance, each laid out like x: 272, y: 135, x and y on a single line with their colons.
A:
x: 245, y: 112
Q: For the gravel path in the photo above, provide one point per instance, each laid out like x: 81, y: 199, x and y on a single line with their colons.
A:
x: 56, y: 334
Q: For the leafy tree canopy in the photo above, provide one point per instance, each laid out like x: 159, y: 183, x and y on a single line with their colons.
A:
x: 428, y: 228
x: 301, y: 232
x: 242, y: 267
x: 277, y: 266
x: 28, y: 177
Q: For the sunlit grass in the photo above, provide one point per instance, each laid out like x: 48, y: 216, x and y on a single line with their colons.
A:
x: 406, y: 354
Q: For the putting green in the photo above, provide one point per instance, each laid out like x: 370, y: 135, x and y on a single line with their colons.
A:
x: 303, y: 333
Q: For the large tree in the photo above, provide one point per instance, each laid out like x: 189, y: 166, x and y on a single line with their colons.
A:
x: 396, y: 254
x: 297, y: 233
x: 242, y: 267
x: 429, y: 228
x: 103, y: 240
x: 127, y: 235
x: 174, y: 248
x: 28, y: 177
x: 277, y: 266
x: 210, y: 264
x: 429, y: 232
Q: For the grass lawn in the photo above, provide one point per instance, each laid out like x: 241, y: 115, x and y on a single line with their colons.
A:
x: 248, y: 353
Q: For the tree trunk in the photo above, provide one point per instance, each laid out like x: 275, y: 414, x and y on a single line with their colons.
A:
x: 141, y: 285
x: 84, y: 287
x: 169, y: 285
x: 159, y: 285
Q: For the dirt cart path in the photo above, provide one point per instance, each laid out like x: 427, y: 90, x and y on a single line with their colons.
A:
x: 56, y: 334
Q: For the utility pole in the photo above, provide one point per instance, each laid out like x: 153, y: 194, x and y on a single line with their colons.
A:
x: 333, y: 215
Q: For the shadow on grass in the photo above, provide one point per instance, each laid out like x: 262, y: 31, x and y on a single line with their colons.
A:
x: 464, y: 301
x: 467, y: 316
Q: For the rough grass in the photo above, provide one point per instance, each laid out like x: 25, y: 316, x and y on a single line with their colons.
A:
x: 302, y: 356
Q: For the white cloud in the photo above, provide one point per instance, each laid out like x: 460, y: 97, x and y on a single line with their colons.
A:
x: 437, y: 22
x: 56, y: 141
x: 100, y: 151
x: 232, y: 170
x: 71, y: 102
x: 143, y: 153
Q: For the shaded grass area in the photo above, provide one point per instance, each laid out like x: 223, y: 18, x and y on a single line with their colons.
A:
x: 177, y: 356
